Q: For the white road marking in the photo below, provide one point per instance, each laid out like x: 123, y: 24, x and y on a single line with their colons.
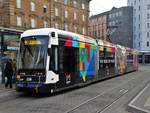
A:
x: 135, y: 107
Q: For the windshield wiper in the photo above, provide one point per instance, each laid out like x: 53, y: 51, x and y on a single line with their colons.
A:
x: 28, y: 48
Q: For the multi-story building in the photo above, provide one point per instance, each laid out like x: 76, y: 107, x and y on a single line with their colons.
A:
x: 70, y: 15
x: 116, y: 26
x: 141, y: 28
x: 25, y: 14
x: 98, y: 26
x: 120, y: 23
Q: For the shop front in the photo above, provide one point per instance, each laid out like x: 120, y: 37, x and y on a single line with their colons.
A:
x: 9, y: 45
x: 144, y: 57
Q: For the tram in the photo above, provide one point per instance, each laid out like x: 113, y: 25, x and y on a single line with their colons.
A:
x: 51, y: 60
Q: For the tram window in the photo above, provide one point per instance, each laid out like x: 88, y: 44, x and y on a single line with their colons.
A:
x: 61, y: 60
x: 130, y: 58
x: 107, y: 59
x: 54, y: 59
x: 53, y: 34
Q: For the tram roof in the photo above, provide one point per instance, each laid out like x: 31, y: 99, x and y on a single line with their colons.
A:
x: 33, y: 32
x: 47, y: 31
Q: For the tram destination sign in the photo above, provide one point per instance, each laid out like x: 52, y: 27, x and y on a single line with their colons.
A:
x: 32, y: 42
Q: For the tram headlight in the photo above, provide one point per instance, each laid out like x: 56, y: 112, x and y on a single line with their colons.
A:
x: 18, y: 77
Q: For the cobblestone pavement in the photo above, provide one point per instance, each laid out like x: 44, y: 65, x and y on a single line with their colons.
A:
x: 110, y: 96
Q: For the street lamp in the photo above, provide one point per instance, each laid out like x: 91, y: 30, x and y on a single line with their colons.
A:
x: 110, y: 31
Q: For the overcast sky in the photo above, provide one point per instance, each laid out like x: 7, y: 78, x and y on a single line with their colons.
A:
x: 99, y: 6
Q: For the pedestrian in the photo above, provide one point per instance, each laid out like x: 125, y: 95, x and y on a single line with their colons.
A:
x: 8, y: 73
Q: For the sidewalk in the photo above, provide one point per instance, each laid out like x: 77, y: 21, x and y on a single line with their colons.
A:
x: 141, y: 103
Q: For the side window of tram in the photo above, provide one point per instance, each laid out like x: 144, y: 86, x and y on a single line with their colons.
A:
x: 54, y: 59
x: 110, y: 59
x: 130, y: 58
x: 107, y: 59
x: 101, y: 60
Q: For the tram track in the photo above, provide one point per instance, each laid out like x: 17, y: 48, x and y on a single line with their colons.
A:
x: 115, y: 101
x: 123, y: 92
x: 121, y: 84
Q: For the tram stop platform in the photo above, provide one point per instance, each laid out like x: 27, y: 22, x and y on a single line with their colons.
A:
x: 141, y: 103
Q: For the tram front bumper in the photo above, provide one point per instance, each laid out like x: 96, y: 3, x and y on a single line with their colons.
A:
x: 33, y: 87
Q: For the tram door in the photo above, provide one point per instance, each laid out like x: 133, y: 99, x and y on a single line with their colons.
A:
x: 68, y: 65
x: 106, y: 64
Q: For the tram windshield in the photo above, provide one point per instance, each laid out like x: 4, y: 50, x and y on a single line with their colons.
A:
x: 33, y: 52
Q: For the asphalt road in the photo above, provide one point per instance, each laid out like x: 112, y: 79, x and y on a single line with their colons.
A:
x: 110, y: 96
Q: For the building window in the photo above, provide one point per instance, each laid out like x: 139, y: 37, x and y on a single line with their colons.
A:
x: 134, y: 28
x: 83, y: 17
x: 45, y: 8
x: 134, y: 19
x: 147, y: 44
x: 56, y: 11
x: 110, y: 16
x: 33, y: 23
x: 75, y: 16
x: 32, y: 6
x: 56, y: 25
x: 139, y: 8
x: 45, y: 24
x: 113, y: 23
x: 120, y: 13
x: 147, y: 34
x: 148, y: 6
x: 148, y: 16
x: 83, y: 31
x: 117, y: 14
x: 66, y: 14
x: 18, y: 3
x: 134, y: 11
x: 148, y: 25
x: 75, y: 28
x: 65, y: 26
x: 110, y: 23
x: 1, y: 3
x: 19, y: 21
x: 134, y: 2
x: 83, y: 6
x: 139, y: 35
x: 65, y: 2
x: 139, y: 17
x: 75, y: 3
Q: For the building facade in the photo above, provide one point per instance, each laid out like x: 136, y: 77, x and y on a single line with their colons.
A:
x: 98, y: 26
x: 141, y: 28
x: 70, y: 15
x: 117, y: 26
x: 120, y: 25
x: 25, y: 14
